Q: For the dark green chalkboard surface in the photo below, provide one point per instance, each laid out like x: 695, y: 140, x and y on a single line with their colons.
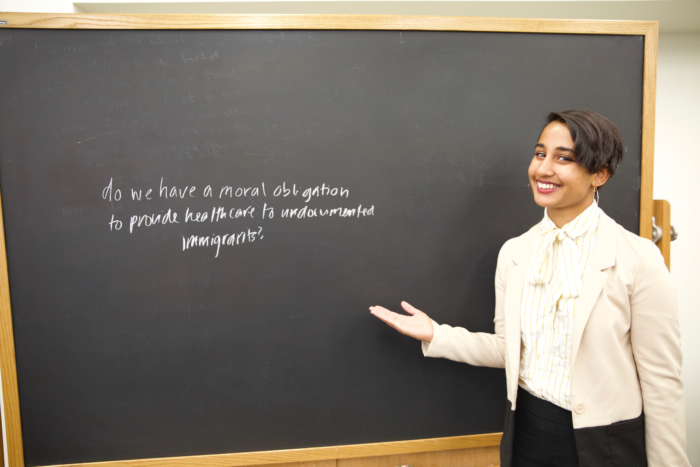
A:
x: 197, y: 221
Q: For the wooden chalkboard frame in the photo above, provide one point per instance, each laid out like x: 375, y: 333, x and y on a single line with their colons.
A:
x: 11, y: 404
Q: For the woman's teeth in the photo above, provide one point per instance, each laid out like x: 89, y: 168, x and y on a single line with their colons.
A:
x: 546, y: 186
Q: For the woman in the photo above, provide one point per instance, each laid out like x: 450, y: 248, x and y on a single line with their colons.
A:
x: 586, y: 325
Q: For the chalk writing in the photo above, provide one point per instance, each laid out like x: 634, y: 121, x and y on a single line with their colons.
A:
x: 214, y: 240
x: 184, y: 215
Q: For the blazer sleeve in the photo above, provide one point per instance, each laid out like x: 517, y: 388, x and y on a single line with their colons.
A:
x: 476, y: 348
x: 655, y: 340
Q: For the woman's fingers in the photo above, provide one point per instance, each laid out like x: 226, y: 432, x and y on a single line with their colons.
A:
x: 410, y: 309
x: 417, y: 325
x: 389, y: 317
x: 384, y: 314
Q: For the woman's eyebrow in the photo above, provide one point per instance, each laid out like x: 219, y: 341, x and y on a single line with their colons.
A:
x: 558, y: 148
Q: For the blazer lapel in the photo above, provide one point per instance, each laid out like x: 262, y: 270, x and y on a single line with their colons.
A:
x: 514, y: 292
x: 594, y: 279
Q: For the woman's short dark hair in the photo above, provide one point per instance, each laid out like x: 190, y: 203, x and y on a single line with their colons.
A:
x: 597, y: 142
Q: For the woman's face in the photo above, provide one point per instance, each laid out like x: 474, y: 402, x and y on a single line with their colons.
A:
x: 558, y: 182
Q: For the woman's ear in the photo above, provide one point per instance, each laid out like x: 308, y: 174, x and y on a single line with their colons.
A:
x: 601, y: 177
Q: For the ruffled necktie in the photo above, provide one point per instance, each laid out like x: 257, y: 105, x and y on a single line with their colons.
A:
x: 556, y: 259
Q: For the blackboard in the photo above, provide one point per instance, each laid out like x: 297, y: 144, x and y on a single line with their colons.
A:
x: 296, y: 177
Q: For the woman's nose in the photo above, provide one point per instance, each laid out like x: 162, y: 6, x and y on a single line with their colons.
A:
x: 545, y: 167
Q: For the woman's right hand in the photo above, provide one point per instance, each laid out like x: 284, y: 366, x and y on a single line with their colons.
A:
x: 418, y: 325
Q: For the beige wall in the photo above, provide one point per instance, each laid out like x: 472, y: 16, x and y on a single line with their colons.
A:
x: 676, y: 179
x: 37, y: 6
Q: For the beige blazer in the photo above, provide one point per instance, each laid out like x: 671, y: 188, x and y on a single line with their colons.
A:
x: 626, y: 353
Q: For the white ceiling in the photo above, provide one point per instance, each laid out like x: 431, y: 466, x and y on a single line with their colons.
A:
x: 674, y: 16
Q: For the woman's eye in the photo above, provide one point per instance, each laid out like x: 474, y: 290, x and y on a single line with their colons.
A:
x: 565, y: 159
x: 539, y: 154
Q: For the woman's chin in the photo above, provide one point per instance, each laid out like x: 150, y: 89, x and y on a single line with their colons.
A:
x: 545, y: 201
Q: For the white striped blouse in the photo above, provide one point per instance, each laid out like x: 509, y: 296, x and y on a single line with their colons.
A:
x: 548, y: 305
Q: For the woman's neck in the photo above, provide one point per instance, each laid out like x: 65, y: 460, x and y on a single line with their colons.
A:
x: 562, y: 216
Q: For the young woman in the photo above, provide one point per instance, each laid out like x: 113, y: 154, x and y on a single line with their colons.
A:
x: 586, y: 324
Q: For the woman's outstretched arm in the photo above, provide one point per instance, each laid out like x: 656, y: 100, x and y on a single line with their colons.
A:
x: 456, y: 343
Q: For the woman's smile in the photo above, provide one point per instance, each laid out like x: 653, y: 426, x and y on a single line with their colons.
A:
x: 547, y: 187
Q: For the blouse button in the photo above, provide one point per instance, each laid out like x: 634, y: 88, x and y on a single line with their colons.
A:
x: 580, y: 408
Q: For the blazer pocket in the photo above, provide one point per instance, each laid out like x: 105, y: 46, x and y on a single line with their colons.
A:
x: 626, y: 443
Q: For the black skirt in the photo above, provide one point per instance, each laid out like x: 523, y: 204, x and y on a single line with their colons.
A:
x: 544, y: 434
